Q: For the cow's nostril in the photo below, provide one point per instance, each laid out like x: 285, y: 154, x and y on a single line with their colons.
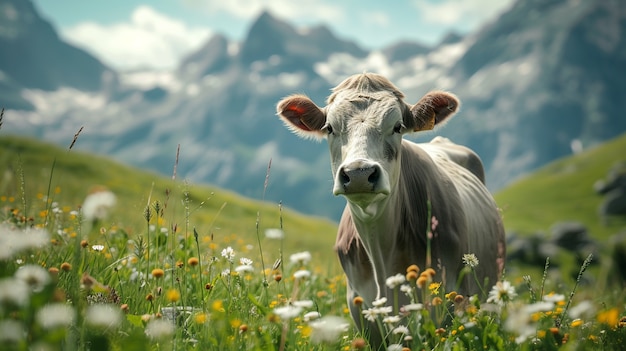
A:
x: 373, y: 178
x: 345, y: 179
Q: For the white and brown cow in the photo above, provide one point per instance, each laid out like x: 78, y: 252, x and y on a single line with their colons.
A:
x: 392, y: 186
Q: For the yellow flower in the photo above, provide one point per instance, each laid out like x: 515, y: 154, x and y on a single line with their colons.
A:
x: 173, y: 295
x: 218, y: 306
x: 434, y: 288
x: 235, y: 323
x: 158, y: 273
x: 610, y: 317
x: 200, y: 318
x: 576, y: 323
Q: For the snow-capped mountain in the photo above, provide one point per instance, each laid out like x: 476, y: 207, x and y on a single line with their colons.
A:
x: 542, y: 77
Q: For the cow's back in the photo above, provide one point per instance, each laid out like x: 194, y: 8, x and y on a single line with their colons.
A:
x: 485, y: 232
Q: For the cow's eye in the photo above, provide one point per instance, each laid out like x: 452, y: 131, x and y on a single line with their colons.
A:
x: 329, y: 129
x: 398, y: 128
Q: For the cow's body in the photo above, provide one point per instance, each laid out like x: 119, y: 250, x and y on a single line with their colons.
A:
x: 394, y: 187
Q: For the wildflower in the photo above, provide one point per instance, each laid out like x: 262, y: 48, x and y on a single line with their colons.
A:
x: 584, y: 308
x: 98, y: 248
x: 193, y: 261
x: 103, y: 316
x: 411, y: 276
x: 309, y: 316
x: 13, y: 291
x: 125, y: 308
x: 13, y: 241
x: 172, y: 295
x: 413, y: 268
x: 401, y: 329
x: 357, y: 301
x: 84, y: 243
x: 34, y: 276
x: 436, y: 301
x: 391, y: 319
x: 97, y: 204
x: 470, y: 260
x: 434, y: 288
x: 244, y: 268
x: 379, y: 302
x: 554, y: 298
x: 228, y: 253
x: 274, y: 233
x: 303, y: 303
x: 501, y: 293
x: 406, y: 289
x: 245, y: 261
x: 609, y: 317
x: 300, y: 257
x: 159, y: 329
x: 287, y: 312
x: 66, y: 267
x: 301, y: 274
x: 158, y: 273
x: 55, y: 315
x: 11, y: 331
x: 395, y: 347
x: 395, y: 280
x: 218, y: 306
x: 328, y: 329
x: 243, y: 328
x: 413, y: 307
x: 359, y: 343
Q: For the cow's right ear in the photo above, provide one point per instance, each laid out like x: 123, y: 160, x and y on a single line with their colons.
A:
x: 302, y: 116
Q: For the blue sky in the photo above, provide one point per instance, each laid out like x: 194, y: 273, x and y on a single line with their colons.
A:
x: 133, y: 33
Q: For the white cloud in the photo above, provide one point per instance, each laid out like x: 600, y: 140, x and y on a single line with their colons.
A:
x: 148, y: 39
x: 461, y: 14
x: 288, y: 9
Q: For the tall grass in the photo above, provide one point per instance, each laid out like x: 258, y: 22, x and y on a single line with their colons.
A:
x: 71, y: 280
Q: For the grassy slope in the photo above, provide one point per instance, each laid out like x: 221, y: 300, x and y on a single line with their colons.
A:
x: 75, y: 173
x: 563, y: 190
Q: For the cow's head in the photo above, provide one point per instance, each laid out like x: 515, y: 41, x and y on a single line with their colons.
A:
x: 363, y: 121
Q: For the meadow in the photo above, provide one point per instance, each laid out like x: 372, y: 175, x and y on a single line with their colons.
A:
x: 98, y: 256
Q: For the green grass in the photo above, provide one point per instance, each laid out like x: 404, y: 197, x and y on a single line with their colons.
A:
x: 115, y: 283
x: 67, y: 176
x: 563, y: 191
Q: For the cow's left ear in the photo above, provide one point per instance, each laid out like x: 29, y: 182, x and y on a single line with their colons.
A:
x: 302, y: 116
x: 433, y: 109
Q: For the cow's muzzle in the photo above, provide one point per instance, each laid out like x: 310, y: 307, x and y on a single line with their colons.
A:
x: 358, y: 177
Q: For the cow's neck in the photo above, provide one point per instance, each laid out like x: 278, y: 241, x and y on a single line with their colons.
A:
x: 380, y: 229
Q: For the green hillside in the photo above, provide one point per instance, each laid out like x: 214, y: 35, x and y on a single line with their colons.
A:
x: 30, y: 168
x: 563, y: 191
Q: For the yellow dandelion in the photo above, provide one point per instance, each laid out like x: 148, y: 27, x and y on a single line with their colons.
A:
x: 576, y: 323
x: 434, y: 288
x: 235, y: 323
x: 218, y: 306
x: 609, y: 317
x: 172, y: 295
x: 200, y: 318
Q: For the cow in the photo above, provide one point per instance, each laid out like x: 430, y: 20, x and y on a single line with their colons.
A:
x: 394, y: 187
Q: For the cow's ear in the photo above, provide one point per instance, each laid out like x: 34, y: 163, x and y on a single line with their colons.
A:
x: 433, y: 109
x: 302, y: 116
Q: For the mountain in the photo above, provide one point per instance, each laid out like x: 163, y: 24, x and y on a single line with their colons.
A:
x: 541, y: 77
x: 34, y: 57
x: 536, y: 81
